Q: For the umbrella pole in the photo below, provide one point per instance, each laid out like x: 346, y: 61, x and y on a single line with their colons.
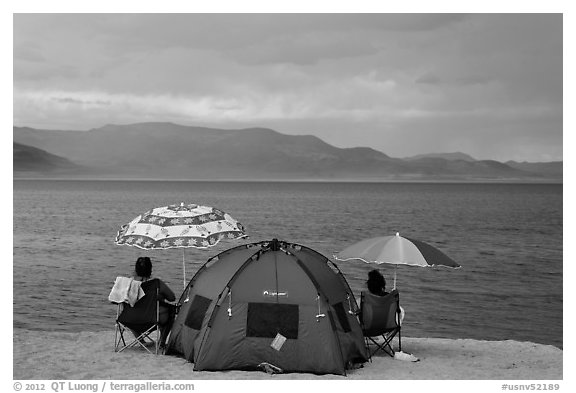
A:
x: 183, y: 269
x: 395, y: 268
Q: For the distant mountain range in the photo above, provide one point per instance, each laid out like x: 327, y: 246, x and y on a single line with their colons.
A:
x: 171, y: 151
x: 445, y: 156
x: 30, y: 159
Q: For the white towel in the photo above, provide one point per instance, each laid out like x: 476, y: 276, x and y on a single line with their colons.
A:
x: 406, y: 357
x: 126, y: 290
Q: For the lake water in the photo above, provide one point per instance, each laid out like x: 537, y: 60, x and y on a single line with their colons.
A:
x: 507, y: 237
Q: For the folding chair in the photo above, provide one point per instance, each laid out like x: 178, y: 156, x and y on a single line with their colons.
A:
x: 380, y: 316
x: 142, y: 319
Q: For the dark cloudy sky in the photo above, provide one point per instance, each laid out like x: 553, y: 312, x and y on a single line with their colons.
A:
x: 489, y: 85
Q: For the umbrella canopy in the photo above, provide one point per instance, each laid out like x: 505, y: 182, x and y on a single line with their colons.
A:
x: 180, y: 226
x: 176, y: 226
x: 396, y: 250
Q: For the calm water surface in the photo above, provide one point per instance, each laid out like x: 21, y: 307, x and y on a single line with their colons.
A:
x: 507, y: 237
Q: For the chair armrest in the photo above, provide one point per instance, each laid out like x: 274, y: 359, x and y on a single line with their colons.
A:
x: 171, y: 305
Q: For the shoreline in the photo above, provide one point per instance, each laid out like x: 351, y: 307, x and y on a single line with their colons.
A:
x: 374, y: 180
x: 90, y: 356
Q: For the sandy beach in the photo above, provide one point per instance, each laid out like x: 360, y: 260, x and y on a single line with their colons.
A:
x: 90, y: 355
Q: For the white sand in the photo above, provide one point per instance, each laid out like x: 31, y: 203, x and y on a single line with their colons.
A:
x: 90, y: 355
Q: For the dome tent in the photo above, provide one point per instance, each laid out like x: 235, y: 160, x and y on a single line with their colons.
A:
x: 268, y: 302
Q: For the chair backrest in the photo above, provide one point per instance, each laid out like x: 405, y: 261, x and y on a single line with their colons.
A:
x: 145, y: 310
x: 379, y: 313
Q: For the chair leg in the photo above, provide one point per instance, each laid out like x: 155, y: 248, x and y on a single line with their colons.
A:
x: 387, y: 346
x: 146, y: 335
x: 368, y: 348
x: 157, y: 339
x: 140, y: 340
x: 115, y: 337
x: 118, y: 337
x: 379, y: 347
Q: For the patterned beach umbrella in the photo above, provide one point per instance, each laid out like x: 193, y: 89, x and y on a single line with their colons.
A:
x: 180, y: 226
x: 396, y: 250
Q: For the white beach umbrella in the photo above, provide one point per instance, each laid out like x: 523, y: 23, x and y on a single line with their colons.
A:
x: 396, y: 250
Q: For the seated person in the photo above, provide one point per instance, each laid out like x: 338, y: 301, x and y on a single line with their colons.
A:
x: 143, y: 273
x: 376, y: 284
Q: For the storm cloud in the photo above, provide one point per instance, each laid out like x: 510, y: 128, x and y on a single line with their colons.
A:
x: 489, y: 85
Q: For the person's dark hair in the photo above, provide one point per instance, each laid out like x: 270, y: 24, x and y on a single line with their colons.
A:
x: 376, y: 282
x: 143, y: 267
